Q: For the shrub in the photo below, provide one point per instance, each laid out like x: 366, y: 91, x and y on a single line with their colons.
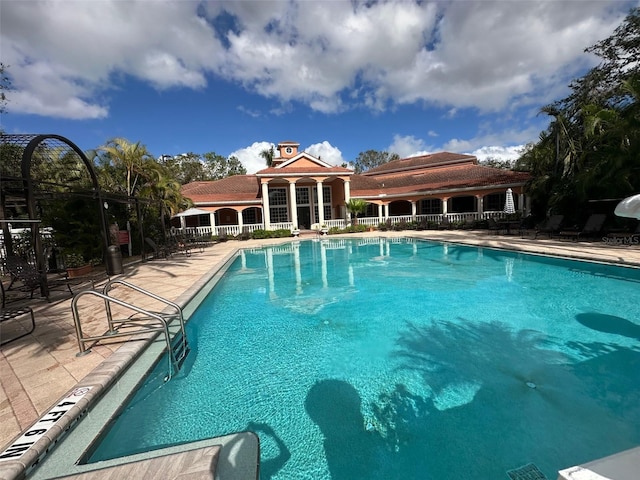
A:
x: 260, y: 234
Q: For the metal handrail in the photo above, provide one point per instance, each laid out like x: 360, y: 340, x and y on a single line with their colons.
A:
x: 107, y: 288
x: 113, y: 332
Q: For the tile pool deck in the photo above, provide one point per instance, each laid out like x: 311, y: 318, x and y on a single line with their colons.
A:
x: 42, y: 367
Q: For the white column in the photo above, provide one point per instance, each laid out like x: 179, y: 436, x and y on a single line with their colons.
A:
x: 270, y: 273
x: 240, y: 222
x: 293, y: 204
x: 266, y: 216
x: 320, y: 203
x: 444, y: 205
x: 521, y: 203
x: 296, y: 264
x: 413, y: 210
x: 386, y: 211
x: 347, y: 197
x: 380, y: 215
x: 323, y: 260
x: 480, y: 205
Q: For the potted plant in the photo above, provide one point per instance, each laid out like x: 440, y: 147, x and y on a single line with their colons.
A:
x: 296, y: 231
x: 324, y: 229
x: 76, y: 265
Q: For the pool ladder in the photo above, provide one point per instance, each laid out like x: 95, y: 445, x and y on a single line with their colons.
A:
x: 177, y: 348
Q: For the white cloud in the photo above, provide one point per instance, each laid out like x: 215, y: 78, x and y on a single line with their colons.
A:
x: 499, y: 153
x: 407, y: 146
x: 252, y: 161
x: 250, y: 156
x: 326, y: 152
x: 331, y: 56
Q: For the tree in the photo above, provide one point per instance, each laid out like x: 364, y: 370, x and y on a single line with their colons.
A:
x: 186, y: 168
x: 129, y: 156
x: 268, y: 154
x: 591, y: 146
x: 371, y: 159
x: 222, y: 167
x: 194, y: 167
x: 5, y: 85
x: 497, y: 163
x: 356, y: 206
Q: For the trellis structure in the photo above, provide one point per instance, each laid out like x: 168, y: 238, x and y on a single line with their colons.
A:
x: 37, y: 168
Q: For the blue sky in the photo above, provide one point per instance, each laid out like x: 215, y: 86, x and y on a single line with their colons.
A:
x: 339, y: 77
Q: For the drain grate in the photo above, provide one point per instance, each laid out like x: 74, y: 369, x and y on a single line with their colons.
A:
x: 526, y: 472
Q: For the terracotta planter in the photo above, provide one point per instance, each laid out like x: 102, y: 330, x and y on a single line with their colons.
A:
x: 79, y: 271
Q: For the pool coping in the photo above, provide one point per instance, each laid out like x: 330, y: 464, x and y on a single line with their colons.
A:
x: 106, y: 374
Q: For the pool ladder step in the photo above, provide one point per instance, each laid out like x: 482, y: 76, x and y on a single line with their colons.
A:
x: 168, y: 322
x: 180, y: 349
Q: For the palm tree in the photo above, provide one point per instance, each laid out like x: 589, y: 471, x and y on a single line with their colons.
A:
x: 268, y: 154
x: 129, y: 155
x: 356, y: 206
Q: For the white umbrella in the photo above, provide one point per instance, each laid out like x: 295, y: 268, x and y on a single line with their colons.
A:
x: 509, y: 207
x: 629, y: 207
x: 190, y: 212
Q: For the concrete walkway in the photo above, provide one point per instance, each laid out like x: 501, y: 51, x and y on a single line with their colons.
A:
x: 37, y: 370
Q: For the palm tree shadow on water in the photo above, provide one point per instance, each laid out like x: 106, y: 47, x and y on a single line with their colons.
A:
x: 531, y: 404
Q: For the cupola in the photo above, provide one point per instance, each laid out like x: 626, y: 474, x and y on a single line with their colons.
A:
x: 288, y: 149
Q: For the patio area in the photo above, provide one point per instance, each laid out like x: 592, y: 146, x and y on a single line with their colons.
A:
x: 39, y: 369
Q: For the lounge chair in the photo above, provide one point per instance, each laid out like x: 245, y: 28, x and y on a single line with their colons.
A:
x: 551, y: 226
x: 592, y: 227
x: 13, y: 313
x: 158, y: 251
x: 625, y: 237
x: 445, y: 224
x: 493, y: 225
x: 469, y: 223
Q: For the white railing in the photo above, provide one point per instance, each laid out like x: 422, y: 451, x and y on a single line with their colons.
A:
x: 228, y: 230
x: 235, y: 230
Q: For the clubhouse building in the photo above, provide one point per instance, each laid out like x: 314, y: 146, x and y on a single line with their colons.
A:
x: 302, y: 191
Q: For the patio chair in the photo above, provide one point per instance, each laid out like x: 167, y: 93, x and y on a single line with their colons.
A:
x: 13, y: 313
x: 592, y: 227
x: 493, y: 225
x: 445, y: 224
x: 551, y: 226
x: 621, y: 235
x: 180, y: 244
x: 21, y: 270
x: 158, y: 251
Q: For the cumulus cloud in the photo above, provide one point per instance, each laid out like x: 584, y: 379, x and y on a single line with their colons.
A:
x: 498, y: 152
x: 250, y: 156
x: 407, y: 146
x: 326, y: 152
x: 330, y: 56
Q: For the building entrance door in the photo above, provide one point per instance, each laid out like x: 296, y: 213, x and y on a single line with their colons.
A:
x: 304, y: 217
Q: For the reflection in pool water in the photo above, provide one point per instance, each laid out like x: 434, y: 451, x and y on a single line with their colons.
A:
x: 404, y: 359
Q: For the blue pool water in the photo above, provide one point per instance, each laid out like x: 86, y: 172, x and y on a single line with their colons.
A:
x: 375, y: 360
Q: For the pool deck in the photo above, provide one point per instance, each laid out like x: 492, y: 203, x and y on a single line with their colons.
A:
x: 39, y: 369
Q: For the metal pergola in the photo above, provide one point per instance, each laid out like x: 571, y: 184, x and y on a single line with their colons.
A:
x: 24, y: 160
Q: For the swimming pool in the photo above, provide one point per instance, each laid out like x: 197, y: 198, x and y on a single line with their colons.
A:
x: 410, y: 359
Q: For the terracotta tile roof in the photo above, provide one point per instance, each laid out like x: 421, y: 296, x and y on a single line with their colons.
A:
x: 235, y: 188
x: 440, y: 178
x: 431, y: 160
x: 461, y: 171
